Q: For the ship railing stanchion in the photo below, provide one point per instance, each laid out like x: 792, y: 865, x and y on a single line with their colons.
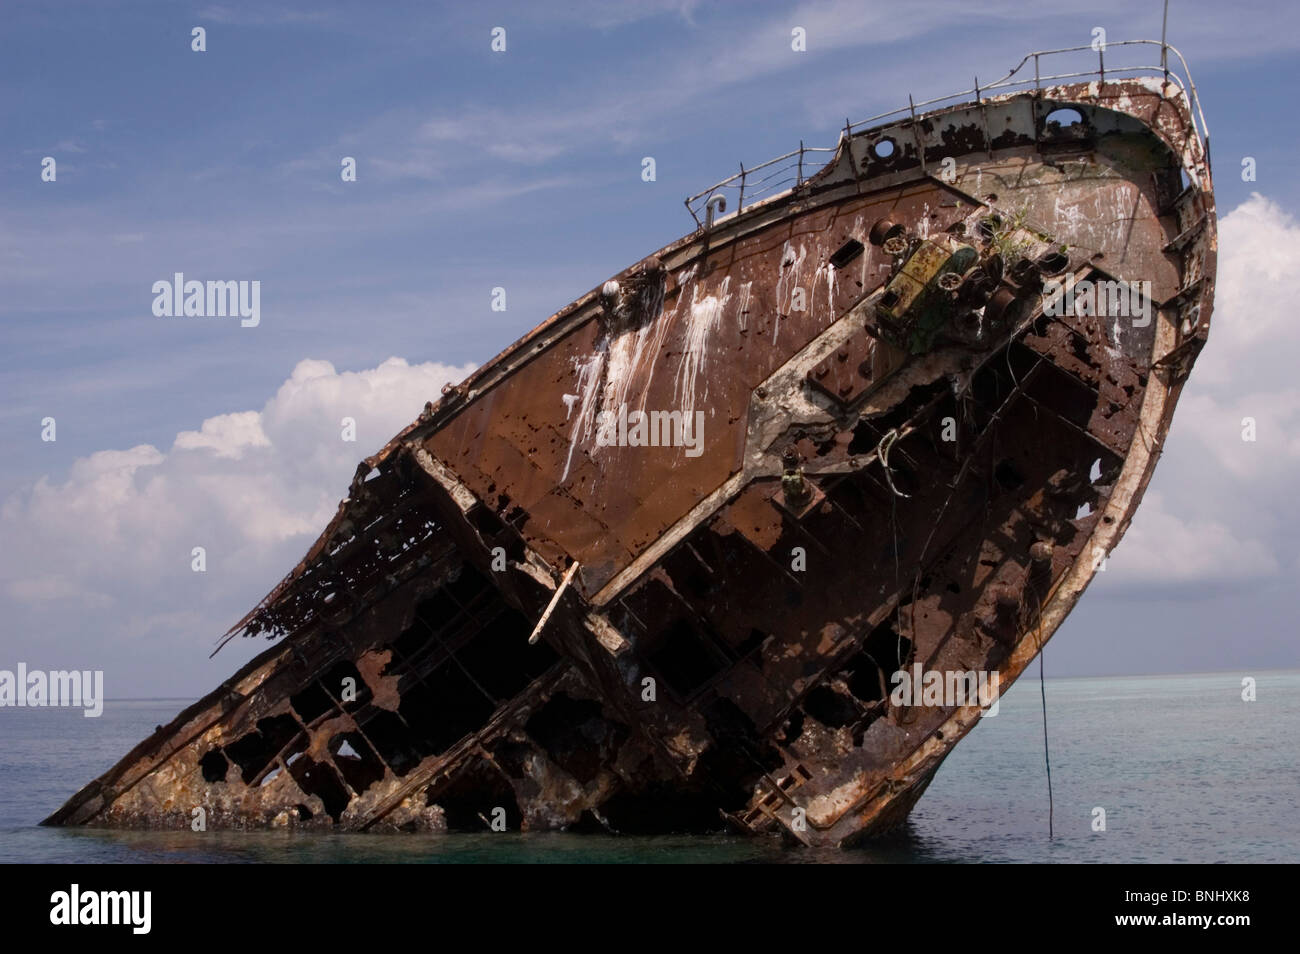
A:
x: 715, y: 206
x: 1164, y: 47
x: 984, y: 119
x: 916, y: 136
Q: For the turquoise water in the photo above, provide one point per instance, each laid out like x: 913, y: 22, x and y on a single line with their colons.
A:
x: 1185, y: 770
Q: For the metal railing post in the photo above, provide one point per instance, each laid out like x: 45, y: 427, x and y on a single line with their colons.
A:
x: 916, y: 136
x: 1164, y: 47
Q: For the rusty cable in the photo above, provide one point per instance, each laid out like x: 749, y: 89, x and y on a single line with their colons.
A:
x: 882, y: 452
x: 898, y: 585
x: 1047, y: 759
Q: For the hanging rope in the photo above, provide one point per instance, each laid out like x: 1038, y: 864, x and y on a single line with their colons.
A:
x: 1042, y: 686
x: 882, y: 451
x: 899, y: 714
x: 898, y: 586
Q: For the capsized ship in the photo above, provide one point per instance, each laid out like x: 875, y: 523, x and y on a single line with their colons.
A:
x: 657, y: 566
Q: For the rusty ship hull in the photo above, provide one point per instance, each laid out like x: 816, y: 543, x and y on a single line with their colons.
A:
x: 896, y: 453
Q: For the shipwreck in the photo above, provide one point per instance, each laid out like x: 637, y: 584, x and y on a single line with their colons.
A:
x: 659, y: 565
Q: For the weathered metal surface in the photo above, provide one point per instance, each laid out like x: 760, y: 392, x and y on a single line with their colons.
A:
x: 853, y: 434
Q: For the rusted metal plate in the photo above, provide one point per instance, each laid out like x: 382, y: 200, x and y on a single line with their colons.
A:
x: 734, y: 314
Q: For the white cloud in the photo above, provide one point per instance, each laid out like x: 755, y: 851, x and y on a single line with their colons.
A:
x: 253, y: 488
x: 1218, y: 428
x: 1222, y: 509
x: 1188, y: 549
x: 1254, y: 301
x: 226, y: 435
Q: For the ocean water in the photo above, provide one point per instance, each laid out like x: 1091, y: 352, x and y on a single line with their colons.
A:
x: 1185, y: 770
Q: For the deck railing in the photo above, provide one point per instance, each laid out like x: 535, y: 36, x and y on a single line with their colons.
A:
x: 771, y: 178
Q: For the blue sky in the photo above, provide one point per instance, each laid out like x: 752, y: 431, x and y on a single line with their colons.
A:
x: 522, y: 170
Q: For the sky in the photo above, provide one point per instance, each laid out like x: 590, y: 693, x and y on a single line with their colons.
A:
x: 520, y: 170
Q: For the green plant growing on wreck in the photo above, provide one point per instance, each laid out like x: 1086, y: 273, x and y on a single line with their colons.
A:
x: 1005, y: 235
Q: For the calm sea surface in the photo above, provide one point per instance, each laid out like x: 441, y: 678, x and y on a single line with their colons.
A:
x: 1185, y: 770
